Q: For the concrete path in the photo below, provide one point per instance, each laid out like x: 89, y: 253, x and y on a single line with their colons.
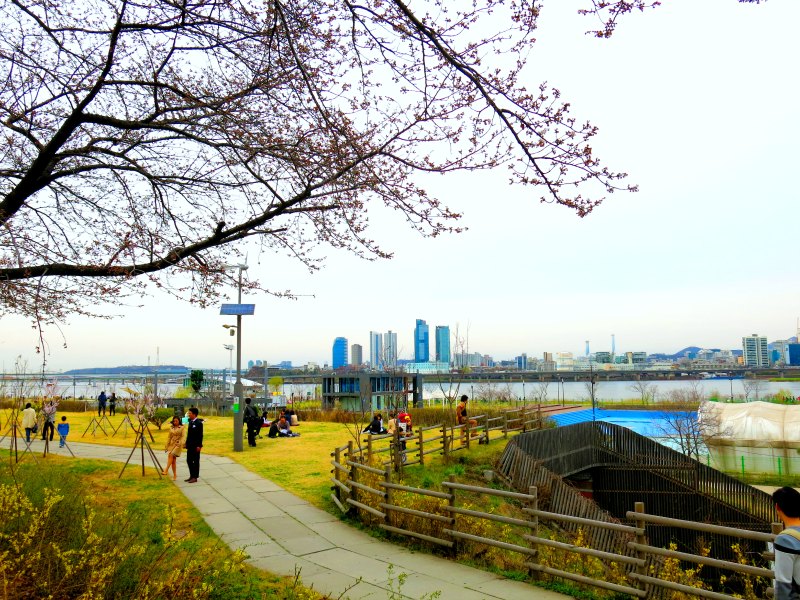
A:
x: 282, y: 533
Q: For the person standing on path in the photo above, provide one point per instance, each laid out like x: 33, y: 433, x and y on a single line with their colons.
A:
x: 193, y: 444
x: 787, y: 544
x: 28, y: 421
x: 101, y: 403
x: 63, y: 432
x: 173, y: 447
x: 112, y: 405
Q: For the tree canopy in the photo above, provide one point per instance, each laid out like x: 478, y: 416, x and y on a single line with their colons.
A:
x: 145, y: 140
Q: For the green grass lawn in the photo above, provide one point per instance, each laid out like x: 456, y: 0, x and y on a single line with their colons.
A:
x: 302, y: 464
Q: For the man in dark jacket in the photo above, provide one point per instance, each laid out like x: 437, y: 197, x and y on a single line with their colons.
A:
x: 193, y: 444
x: 252, y: 421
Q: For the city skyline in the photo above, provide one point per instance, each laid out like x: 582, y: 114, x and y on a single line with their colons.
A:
x: 662, y: 269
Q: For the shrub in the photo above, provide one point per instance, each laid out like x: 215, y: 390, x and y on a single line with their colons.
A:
x: 57, y: 541
x: 160, y: 415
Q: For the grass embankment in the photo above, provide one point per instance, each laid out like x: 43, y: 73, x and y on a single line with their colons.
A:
x: 72, y: 528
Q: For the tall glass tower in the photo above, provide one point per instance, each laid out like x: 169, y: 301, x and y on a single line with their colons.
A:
x: 375, y: 349
x: 389, y: 350
x: 339, y: 352
x: 422, y: 351
x: 443, y: 344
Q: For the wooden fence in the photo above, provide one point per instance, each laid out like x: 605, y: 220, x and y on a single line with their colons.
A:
x: 437, y: 517
x: 365, y: 486
x: 400, y: 450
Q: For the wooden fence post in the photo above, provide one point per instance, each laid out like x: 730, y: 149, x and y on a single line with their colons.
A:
x: 387, y: 477
x: 640, y: 539
x: 505, y: 424
x: 452, y: 502
x: 421, y: 449
x: 467, y: 432
x: 523, y: 419
x: 445, y: 441
x: 534, y: 504
x: 338, y: 459
x: 352, y: 476
x: 369, y: 449
x: 486, y: 430
x: 397, y: 451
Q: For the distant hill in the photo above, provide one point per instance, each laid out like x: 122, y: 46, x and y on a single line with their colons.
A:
x: 130, y: 370
x: 685, y: 351
x: 677, y: 355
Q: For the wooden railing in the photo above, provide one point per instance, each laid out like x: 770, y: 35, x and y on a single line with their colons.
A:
x: 401, y: 450
x: 365, y: 486
x: 370, y: 494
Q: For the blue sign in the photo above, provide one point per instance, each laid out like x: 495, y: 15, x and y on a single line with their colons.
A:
x: 237, y: 309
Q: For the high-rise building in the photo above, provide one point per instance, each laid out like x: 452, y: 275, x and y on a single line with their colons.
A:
x: 443, y: 344
x: 339, y: 353
x: 422, y: 351
x: 754, y: 351
x: 375, y: 349
x: 389, y: 349
x: 522, y: 362
x: 356, y: 355
x: 793, y: 352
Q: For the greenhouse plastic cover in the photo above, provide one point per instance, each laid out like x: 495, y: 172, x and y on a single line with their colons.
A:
x: 762, y: 421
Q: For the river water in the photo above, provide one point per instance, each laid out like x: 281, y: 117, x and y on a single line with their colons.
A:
x: 569, y: 391
x: 611, y: 390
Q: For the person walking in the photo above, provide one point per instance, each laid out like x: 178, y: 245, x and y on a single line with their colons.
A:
x: 112, y: 405
x: 28, y: 421
x: 787, y: 544
x: 101, y: 403
x: 49, y: 412
x: 173, y: 447
x: 193, y: 444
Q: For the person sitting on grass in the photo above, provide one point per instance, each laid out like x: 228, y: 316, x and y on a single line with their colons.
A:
x: 280, y: 428
x: 375, y: 426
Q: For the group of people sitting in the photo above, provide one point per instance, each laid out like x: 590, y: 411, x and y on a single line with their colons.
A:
x: 281, y: 428
x: 397, y: 422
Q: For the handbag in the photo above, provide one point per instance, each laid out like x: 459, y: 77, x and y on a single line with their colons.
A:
x: 35, y: 428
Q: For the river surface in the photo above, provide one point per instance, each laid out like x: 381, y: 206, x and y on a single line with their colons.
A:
x: 611, y: 390
x: 569, y: 391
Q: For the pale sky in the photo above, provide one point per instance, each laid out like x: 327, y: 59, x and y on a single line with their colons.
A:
x: 697, y: 101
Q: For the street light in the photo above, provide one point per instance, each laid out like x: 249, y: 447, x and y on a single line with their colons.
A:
x: 238, y: 415
x: 229, y: 348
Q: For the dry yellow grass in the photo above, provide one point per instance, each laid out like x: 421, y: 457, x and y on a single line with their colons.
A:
x: 300, y: 464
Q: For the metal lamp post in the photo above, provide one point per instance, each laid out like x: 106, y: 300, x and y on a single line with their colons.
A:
x: 229, y: 348
x: 238, y: 414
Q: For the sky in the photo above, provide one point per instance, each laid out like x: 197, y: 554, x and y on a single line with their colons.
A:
x: 697, y: 101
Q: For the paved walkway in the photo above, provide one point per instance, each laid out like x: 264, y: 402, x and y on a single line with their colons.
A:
x: 282, y: 533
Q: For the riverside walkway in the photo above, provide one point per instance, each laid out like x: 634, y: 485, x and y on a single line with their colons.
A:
x: 282, y: 533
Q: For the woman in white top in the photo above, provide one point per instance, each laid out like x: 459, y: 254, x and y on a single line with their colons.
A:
x: 28, y: 421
